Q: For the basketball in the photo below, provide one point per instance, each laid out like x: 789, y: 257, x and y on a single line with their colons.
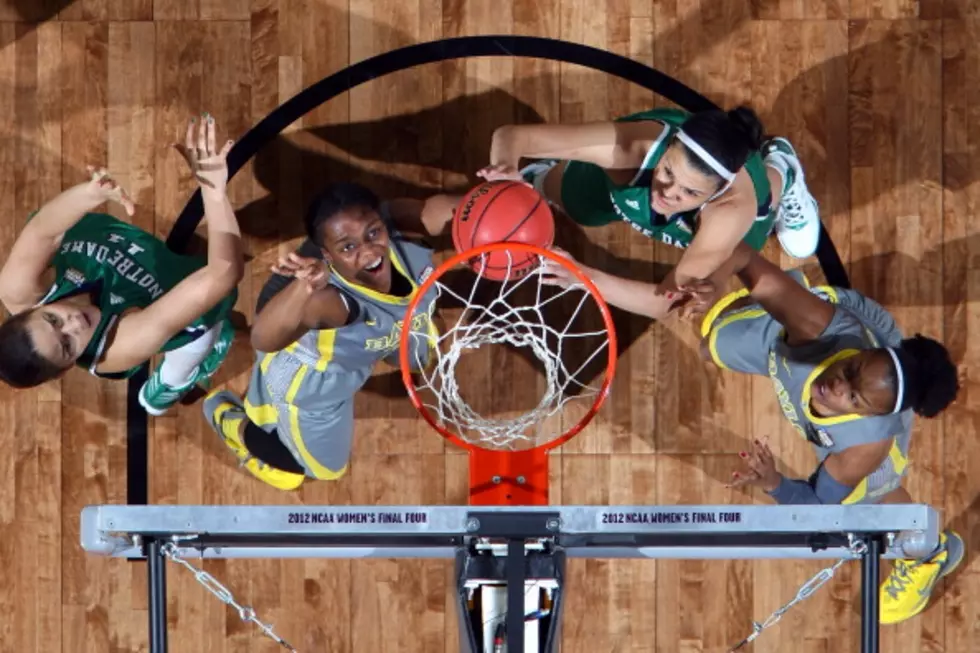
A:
x: 503, y: 211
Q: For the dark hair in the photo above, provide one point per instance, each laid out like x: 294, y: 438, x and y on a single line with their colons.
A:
x: 21, y: 366
x: 334, y: 199
x: 729, y: 136
x: 931, y: 380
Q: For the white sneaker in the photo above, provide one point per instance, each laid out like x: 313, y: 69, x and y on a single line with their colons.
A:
x: 797, y: 216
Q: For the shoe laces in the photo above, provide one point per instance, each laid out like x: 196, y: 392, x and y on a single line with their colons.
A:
x: 900, y: 578
x: 791, y: 210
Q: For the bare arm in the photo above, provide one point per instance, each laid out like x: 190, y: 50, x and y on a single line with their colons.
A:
x: 22, y: 276
x: 422, y: 217
x: 294, y: 311
x: 141, y: 334
x: 611, y: 145
x: 638, y: 297
x: 803, y: 315
x: 832, y: 483
x: 721, y: 230
x: 851, y: 466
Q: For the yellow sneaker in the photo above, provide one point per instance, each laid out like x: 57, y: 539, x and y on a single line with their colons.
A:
x: 906, y: 591
x: 226, y: 415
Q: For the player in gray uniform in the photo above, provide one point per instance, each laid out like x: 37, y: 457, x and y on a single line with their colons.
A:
x: 849, y: 383
x: 333, y: 309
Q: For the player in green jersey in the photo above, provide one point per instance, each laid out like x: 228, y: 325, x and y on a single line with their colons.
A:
x: 702, y: 182
x: 86, y: 289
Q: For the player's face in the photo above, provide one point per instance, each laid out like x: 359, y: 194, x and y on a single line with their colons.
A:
x: 62, y: 330
x: 356, y: 245
x: 677, y: 185
x: 855, y: 385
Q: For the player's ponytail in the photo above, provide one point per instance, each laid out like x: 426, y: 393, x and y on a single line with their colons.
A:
x: 333, y: 200
x: 925, y: 378
x: 718, y: 143
x: 747, y: 123
x: 21, y: 366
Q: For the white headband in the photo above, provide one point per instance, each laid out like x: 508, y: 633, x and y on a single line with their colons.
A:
x: 900, y: 392
x: 702, y: 154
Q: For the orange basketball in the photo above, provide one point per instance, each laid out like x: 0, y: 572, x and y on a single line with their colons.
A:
x: 503, y: 211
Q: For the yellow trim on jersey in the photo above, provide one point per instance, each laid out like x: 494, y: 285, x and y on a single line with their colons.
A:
x: 830, y: 291
x: 808, y: 385
x: 261, y: 415
x: 266, y: 362
x: 722, y: 323
x: 718, y: 308
x: 319, y: 471
x: 324, y: 344
x: 899, y: 464
x: 266, y: 414
x: 383, y: 297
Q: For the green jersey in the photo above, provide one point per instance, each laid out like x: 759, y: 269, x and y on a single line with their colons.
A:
x: 122, y: 268
x: 591, y: 198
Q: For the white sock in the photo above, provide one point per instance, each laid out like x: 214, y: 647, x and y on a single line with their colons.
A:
x: 180, y: 365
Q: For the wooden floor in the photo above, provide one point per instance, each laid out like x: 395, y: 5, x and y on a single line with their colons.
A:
x: 881, y: 98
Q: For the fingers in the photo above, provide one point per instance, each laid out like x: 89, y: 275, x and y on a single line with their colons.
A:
x: 501, y: 172
x: 293, y: 265
x: 189, y: 136
x: 127, y: 202
x: 226, y: 149
x: 202, y: 137
x: 763, y: 451
x: 741, y: 479
x: 212, y: 136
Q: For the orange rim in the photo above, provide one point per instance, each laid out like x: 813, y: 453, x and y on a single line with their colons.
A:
x: 522, y: 477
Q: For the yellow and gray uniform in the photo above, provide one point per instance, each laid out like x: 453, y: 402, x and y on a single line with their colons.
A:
x: 749, y: 340
x: 305, y: 393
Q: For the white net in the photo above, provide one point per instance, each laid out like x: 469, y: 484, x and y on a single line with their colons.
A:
x: 559, y: 331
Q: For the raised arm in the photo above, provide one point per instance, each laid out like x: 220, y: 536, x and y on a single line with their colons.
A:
x: 307, y: 302
x: 832, y: 482
x: 803, y: 315
x: 428, y: 217
x: 638, y: 297
x: 141, y: 334
x: 22, y: 276
x: 612, y: 145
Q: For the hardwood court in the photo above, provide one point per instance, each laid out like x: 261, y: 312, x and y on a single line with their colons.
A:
x: 880, y: 99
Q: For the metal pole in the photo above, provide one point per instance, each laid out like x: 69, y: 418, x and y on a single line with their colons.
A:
x: 870, y: 579
x: 157, y: 583
x: 516, y: 575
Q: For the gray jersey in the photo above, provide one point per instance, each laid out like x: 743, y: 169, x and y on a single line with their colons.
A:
x: 749, y: 340
x: 305, y: 392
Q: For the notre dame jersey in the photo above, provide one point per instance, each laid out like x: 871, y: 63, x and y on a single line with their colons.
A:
x: 123, y: 267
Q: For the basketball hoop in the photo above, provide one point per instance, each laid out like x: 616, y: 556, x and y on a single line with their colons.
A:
x: 508, y: 454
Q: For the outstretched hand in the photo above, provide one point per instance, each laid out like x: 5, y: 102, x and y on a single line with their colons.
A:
x: 761, y: 470
x: 501, y: 172
x: 700, y: 295
x: 208, y: 164
x: 103, y: 186
x: 312, y: 271
x: 554, y: 273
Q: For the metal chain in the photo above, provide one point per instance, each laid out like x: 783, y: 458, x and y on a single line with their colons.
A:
x: 212, y: 584
x: 806, y: 591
